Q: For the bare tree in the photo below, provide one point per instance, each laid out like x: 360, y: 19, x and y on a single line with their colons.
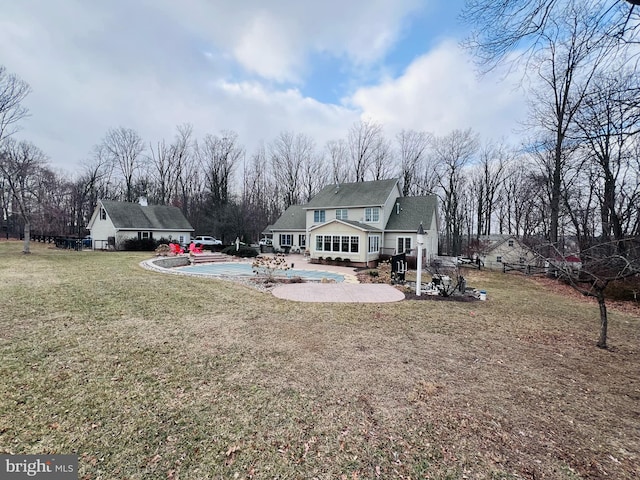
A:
x: 566, y: 69
x: 20, y: 165
x: 521, y: 207
x: 412, y: 151
x: 187, y: 176
x: 486, y: 181
x: 288, y: 153
x: 54, y: 211
x: 313, y: 177
x: 600, y: 264
x: 218, y: 156
x: 607, y: 124
x: 502, y: 28
x: 383, y: 162
x: 163, y: 172
x: 451, y: 154
x: 259, y: 203
x: 363, y: 141
x: 123, y: 147
x: 338, y: 153
x: 91, y: 184
x: 13, y: 91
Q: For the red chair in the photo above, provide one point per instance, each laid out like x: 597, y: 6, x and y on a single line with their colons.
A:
x: 194, y: 249
x: 176, y: 249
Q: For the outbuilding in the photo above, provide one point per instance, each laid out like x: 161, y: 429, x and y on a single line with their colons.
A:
x: 112, y: 223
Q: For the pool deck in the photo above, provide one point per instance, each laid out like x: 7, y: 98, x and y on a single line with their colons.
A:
x: 349, y: 291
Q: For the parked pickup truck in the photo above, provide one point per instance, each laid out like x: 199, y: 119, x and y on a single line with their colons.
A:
x: 206, y: 240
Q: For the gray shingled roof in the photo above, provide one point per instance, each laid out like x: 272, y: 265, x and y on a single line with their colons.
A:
x: 495, y: 240
x: 294, y: 218
x: 353, y: 194
x: 413, y: 210
x: 152, y: 217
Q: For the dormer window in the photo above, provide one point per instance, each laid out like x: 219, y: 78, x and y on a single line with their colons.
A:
x: 372, y: 214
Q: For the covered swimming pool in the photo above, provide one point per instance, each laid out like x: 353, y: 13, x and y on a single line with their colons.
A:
x: 246, y: 270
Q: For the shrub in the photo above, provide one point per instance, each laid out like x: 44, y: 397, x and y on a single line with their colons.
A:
x: 163, y: 250
x: 384, y: 272
x: 139, y: 245
x: 267, y: 266
x: 243, y: 251
x: 625, y: 290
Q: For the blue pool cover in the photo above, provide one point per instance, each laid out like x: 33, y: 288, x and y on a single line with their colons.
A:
x: 245, y: 270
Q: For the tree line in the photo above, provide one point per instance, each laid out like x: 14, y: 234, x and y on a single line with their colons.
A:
x: 484, y: 187
x: 576, y: 175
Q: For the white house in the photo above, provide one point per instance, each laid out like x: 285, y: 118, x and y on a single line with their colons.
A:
x: 496, y: 250
x: 358, y: 223
x: 114, y: 222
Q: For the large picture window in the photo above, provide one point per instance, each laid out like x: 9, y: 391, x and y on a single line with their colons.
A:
x: 337, y: 243
x: 372, y: 214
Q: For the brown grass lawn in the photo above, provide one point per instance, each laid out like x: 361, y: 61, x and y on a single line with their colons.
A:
x: 145, y: 375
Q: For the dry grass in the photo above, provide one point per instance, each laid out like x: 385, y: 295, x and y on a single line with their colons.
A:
x: 152, y: 376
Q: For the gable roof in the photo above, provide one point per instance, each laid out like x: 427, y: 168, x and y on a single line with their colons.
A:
x: 126, y: 215
x: 294, y: 218
x: 352, y: 223
x: 359, y: 194
x: 494, y: 241
x: 411, y: 212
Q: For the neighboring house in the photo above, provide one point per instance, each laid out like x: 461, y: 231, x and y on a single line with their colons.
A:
x: 114, y: 222
x: 571, y: 263
x: 500, y: 249
x: 358, y: 223
x: 290, y: 230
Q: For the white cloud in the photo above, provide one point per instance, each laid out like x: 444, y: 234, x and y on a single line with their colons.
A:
x: 154, y: 64
x: 440, y: 92
x: 274, y: 40
x: 265, y: 48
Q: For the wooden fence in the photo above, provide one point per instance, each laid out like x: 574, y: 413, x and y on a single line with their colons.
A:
x: 526, y: 269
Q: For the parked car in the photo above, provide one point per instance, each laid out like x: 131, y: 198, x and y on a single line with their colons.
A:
x: 205, y: 240
x: 266, y: 242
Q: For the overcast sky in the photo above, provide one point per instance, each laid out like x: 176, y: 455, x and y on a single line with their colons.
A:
x: 257, y: 67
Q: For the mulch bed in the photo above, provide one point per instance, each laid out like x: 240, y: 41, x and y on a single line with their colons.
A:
x: 452, y: 298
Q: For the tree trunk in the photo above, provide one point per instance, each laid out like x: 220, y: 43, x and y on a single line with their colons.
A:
x: 602, y: 341
x: 27, y: 238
